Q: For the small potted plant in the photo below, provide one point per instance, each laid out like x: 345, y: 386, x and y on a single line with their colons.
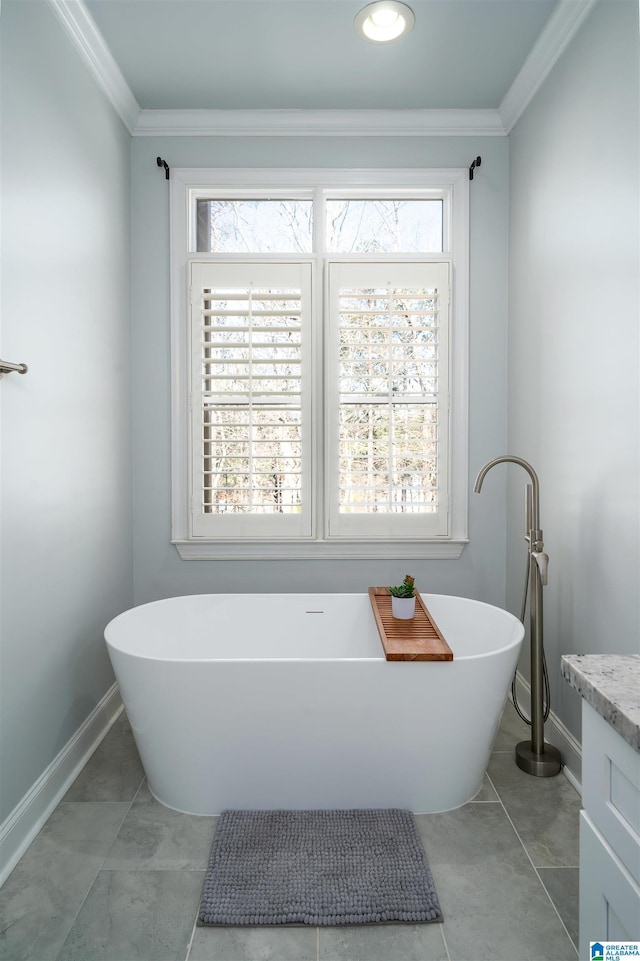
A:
x: 403, y: 599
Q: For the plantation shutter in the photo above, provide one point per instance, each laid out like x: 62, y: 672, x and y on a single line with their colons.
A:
x: 388, y: 397
x: 250, y: 400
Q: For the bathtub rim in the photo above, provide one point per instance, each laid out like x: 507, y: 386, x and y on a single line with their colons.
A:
x: 132, y: 611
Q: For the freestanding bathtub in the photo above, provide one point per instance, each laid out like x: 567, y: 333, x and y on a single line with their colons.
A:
x: 286, y: 701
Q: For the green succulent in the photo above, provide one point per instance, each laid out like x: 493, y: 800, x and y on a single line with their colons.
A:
x: 406, y: 589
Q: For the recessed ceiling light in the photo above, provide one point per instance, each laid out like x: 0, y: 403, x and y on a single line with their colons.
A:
x: 384, y: 21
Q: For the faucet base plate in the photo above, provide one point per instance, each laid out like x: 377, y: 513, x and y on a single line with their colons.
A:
x: 547, y: 764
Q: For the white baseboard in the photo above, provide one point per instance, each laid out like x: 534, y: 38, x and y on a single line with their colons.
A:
x: 557, y: 734
x: 27, y: 818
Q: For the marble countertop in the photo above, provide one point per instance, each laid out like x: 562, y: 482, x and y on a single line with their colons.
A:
x: 610, y: 683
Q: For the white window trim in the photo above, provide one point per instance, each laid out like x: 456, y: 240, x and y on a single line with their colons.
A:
x: 185, y: 183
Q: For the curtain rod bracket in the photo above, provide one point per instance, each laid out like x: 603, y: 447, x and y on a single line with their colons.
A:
x: 163, y: 163
x: 476, y: 163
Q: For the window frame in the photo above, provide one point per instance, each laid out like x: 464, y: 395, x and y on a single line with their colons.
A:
x: 189, y: 184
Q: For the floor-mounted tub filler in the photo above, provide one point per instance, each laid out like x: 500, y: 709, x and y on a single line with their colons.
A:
x: 287, y: 701
x: 534, y: 755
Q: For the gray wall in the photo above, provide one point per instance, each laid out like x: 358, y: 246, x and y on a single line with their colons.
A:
x: 159, y: 571
x: 573, y: 341
x: 572, y: 397
x: 66, y: 548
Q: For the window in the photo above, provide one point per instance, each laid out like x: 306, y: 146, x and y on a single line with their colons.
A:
x: 401, y: 225
x: 250, y: 399
x: 319, y: 351
x: 388, y: 399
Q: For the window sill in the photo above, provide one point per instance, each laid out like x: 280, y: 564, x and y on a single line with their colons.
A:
x: 221, y: 550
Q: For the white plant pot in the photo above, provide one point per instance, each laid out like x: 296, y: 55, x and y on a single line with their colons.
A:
x: 403, y: 608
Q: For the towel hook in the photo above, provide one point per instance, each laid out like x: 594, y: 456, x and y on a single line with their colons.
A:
x: 7, y: 368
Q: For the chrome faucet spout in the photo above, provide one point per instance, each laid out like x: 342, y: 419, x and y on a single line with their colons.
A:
x: 509, y: 459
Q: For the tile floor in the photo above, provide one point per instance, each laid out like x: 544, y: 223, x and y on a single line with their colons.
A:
x: 114, y: 876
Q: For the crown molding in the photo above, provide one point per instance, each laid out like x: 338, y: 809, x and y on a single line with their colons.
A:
x: 553, y: 40
x: 556, y: 35
x: 89, y: 42
x: 319, y: 123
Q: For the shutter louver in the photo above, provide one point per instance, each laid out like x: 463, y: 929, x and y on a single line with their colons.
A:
x: 391, y: 396
x: 248, y: 357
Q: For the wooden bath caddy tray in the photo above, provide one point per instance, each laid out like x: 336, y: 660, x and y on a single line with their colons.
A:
x: 416, y: 640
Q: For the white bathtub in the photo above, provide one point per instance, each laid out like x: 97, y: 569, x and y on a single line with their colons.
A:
x: 286, y: 701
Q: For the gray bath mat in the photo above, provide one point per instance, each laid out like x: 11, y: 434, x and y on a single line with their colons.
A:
x: 317, y: 867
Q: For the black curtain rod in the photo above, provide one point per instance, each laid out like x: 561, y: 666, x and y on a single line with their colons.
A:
x: 163, y: 163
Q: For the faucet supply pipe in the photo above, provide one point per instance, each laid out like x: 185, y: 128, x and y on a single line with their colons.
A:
x: 536, y: 757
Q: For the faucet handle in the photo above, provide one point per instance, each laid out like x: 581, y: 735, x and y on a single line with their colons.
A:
x: 542, y: 560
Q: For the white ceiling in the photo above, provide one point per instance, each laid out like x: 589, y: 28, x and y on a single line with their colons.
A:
x: 304, y: 54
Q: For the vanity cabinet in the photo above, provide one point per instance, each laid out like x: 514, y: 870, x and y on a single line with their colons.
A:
x: 610, y: 819
x: 609, y: 835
